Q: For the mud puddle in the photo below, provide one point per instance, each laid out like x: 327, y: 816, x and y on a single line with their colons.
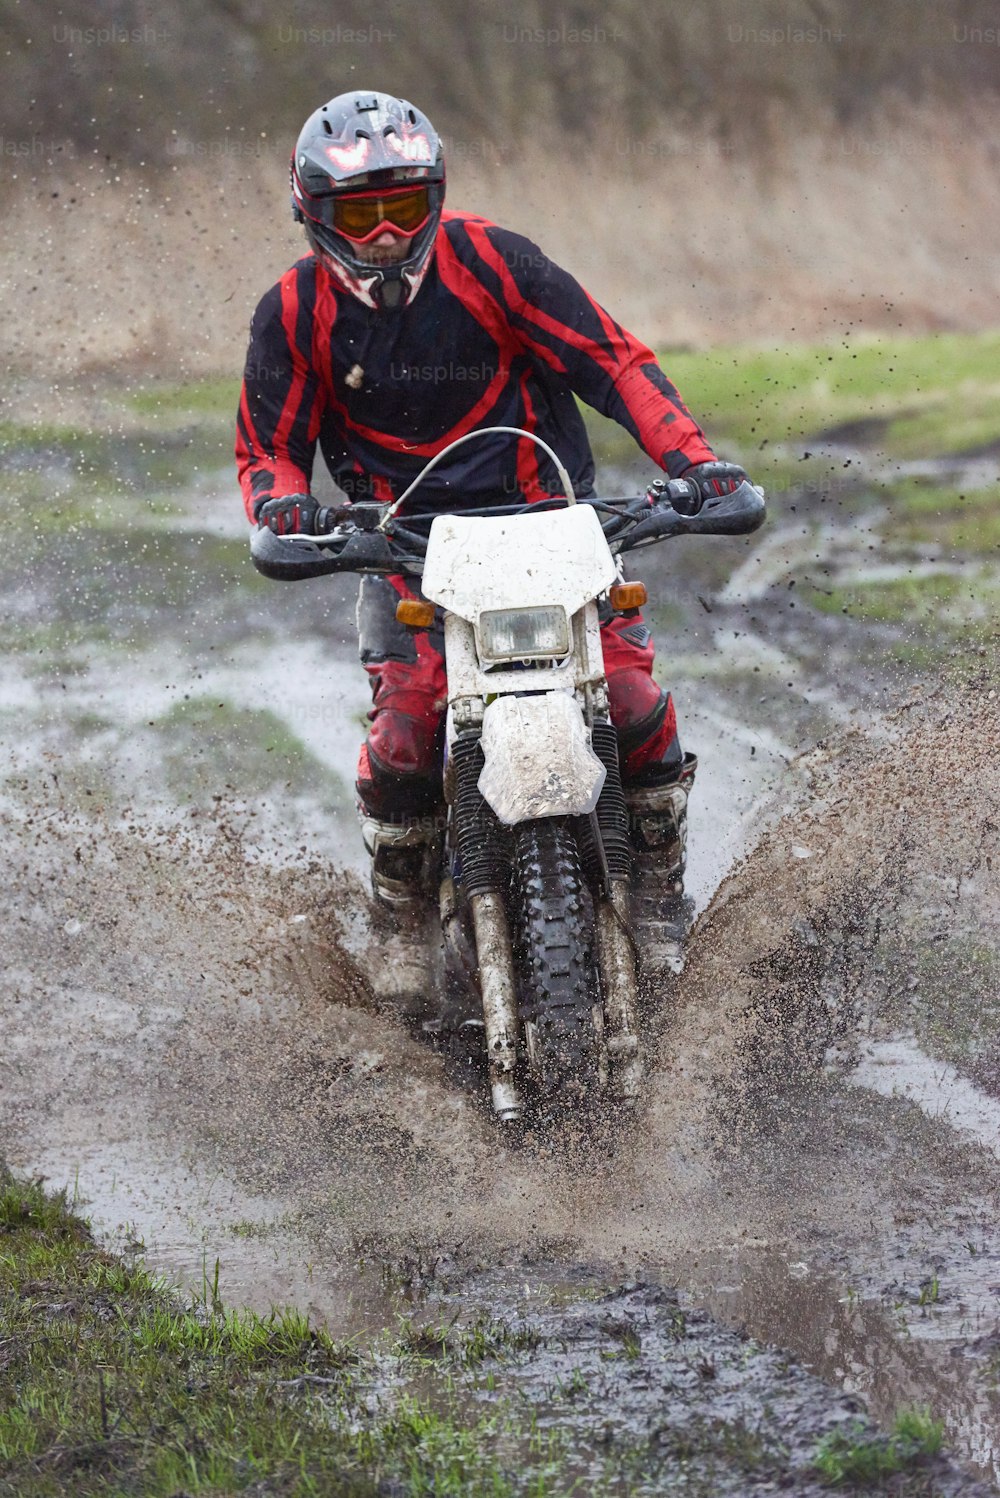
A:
x: 197, y: 1045
x: 663, y: 1396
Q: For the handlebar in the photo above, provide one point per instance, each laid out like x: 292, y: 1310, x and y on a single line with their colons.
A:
x: 356, y: 542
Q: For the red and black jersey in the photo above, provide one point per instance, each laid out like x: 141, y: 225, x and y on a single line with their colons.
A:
x: 497, y: 336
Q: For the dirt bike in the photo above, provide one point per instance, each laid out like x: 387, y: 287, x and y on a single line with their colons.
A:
x: 536, y: 858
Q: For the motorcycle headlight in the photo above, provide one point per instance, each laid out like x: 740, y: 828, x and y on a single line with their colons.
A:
x: 519, y: 634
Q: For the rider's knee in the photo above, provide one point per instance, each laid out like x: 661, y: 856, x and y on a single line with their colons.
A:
x: 635, y: 698
x: 648, y: 744
x: 407, y: 743
x: 399, y: 769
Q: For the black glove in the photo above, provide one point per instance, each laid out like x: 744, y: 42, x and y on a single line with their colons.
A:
x: 708, y: 479
x: 290, y: 513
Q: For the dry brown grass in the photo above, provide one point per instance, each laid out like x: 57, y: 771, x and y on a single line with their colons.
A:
x: 878, y: 227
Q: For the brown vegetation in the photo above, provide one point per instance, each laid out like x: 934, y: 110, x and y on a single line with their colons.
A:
x: 719, y: 174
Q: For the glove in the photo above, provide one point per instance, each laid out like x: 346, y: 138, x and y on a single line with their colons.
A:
x: 709, y: 479
x: 290, y: 513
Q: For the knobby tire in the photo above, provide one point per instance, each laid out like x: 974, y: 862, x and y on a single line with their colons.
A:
x: 556, y: 957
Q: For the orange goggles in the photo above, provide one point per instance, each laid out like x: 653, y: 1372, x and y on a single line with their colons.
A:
x: 360, y: 216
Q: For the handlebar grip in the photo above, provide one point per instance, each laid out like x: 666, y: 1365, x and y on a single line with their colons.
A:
x: 734, y: 514
x: 291, y: 561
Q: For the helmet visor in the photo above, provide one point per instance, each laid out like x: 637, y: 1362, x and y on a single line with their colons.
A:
x: 360, y: 216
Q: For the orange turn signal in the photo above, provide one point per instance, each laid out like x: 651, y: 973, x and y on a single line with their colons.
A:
x: 625, y: 596
x: 417, y: 613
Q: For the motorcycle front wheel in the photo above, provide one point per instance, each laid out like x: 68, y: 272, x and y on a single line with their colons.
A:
x: 559, y: 990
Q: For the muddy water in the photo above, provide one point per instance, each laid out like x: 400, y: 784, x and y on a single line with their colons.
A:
x: 195, y: 1042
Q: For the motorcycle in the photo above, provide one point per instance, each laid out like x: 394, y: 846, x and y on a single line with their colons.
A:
x: 536, y: 854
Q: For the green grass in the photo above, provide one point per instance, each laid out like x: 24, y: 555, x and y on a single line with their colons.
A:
x: 207, y: 742
x: 94, y: 588
x: 766, y: 406
x: 464, y: 1346
x: 247, y: 1228
x: 202, y: 401
x: 20, y: 437
x: 951, y: 986
x: 850, y: 1456
x: 135, y: 467
x: 106, y: 1380
x: 930, y: 1292
x: 941, y: 517
x: 463, y: 1454
x: 935, y: 394
x: 948, y: 601
x: 110, y: 1384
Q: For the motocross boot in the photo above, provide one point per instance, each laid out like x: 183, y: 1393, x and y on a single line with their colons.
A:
x: 658, y: 825
x: 405, y: 859
x: 405, y: 872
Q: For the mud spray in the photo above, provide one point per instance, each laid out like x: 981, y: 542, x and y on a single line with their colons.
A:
x: 200, y: 1030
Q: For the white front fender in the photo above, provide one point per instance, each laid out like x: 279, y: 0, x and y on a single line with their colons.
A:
x: 539, y: 762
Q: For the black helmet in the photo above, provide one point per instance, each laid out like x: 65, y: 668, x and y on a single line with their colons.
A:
x: 363, y: 164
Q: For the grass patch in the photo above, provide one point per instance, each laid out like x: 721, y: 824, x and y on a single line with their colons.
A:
x: 898, y: 398
x: 938, y: 516
x: 946, y: 599
x: 20, y: 440
x: 109, y: 1384
x: 207, y: 742
x: 850, y: 1455
x: 196, y: 400
x: 445, y: 1455
x: 952, y: 1007
x: 926, y: 396
x: 248, y: 1229
x: 94, y: 588
x: 464, y: 1346
x: 117, y: 474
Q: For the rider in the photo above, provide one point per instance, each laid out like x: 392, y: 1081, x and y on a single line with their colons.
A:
x: 404, y: 327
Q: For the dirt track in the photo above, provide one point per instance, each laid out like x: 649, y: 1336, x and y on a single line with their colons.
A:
x: 195, y: 1044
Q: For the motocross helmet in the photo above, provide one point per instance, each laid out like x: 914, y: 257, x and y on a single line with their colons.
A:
x: 364, y: 164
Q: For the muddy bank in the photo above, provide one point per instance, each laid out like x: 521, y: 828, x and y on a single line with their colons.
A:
x: 199, y: 1040
x: 661, y: 1398
x: 194, y: 1007
x: 577, y: 1386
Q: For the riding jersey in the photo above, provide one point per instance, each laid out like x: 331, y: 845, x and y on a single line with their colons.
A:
x: 498, y: 335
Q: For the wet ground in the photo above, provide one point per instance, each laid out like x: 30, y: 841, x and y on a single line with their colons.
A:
x: 198, y: 1041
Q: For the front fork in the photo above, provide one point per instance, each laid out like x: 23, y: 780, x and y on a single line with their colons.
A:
x: 485, y: 874
x: 619, y: 985
x: 607, y: 850
x: 498, y: 985
x: 485, y: 877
